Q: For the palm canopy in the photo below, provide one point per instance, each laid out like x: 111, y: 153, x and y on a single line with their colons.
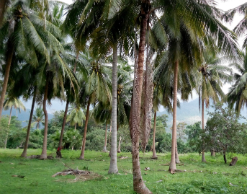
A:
x: 213, y: 75
x: 29, y: 33
x: 12, y: 102
x: 237, y: 96
x: 241, y: 27
x: 102, y: 113
x: 38, y: 117
x: 76, y: 116
x: 97, y: 86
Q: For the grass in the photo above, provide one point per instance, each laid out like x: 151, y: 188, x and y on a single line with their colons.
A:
x: 211, y: 177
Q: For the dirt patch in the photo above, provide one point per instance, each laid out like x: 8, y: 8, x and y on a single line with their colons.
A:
x: 79, y: 177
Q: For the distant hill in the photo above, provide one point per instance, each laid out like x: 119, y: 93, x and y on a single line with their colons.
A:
x: 189, y: 113
x: 23, y: 116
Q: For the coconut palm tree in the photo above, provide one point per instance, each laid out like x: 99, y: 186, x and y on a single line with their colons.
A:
x: 213, y: 75
x: 236, y: 96
x: 9, y: 103
x: 24, y: 32
x: 96, y: 89
x: 38, y: 117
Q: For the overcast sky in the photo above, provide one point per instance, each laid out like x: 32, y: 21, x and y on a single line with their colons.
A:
x: 229, y: 4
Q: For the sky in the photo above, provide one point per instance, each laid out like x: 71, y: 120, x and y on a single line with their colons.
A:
x: 224, y: 5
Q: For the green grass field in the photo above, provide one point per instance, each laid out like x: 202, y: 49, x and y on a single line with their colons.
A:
x: 211, y: 177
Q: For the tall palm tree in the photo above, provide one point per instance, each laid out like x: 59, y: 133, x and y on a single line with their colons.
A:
x: 237, y: 95
x: 213, y: 74
x: 9, y: 103
x: 24, y: 34
x: 96, y: 89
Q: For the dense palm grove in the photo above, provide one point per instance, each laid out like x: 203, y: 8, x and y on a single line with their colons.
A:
x: 80, y: 54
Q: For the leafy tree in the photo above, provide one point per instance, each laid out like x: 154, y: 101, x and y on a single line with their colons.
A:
x: 224, y: 132
x: 194, y: 134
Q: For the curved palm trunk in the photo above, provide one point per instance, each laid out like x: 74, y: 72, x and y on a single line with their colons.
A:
x: 176, y: 154
x: 85, y: 133
x: 113, y: 162
x: 203, y: 154
x: 44, y: 149
x: 173, y: 167
x: 104, y: 149
x: 6, y: 78
x: 6, y: 140
x: 24, y: 153
x: 154, y: 150
x: 62, y: 130
x: 138, y: 183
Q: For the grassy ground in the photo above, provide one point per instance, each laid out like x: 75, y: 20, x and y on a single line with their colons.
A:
x: 211, y: 177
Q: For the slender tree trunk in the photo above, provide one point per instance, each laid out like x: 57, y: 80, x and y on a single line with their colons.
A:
x: 2, y: 10
x: 75, y: 127
x: 62, y: 130
x: 154, y: 150
x: 24, y: 153
x: 173, y: 167
x: 44, y: 149
x: 176, y: 154
x: 138, y: 183
x: 203, y: 154
x: 224, y: 155
x: 6, y: 78
x: 85, y: 132
x: 105, y: 144
x: 148, y: 99
x: 113, y: 169
x: 119, y: 145
x: 6, y: 140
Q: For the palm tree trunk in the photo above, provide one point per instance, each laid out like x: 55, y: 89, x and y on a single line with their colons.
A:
x: 148, y: 100
x: 119, y: 145
x: 176, y: 154
x: 224, y: 155
x: 6, y: 140
x: 85, y: 133
x: 62, y: 130
x: 24, y: 153
x: 104, y: 149
x: 154, y: 150
x: 203, y: 154
x: 113, y: 162
x: 2, y: 10
x: 44, y: 149
x: 138, y: 183
x: 173, y: 167
x: 6, y: 78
